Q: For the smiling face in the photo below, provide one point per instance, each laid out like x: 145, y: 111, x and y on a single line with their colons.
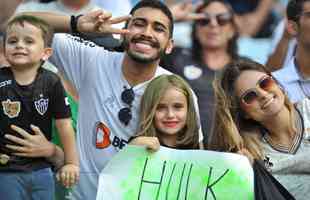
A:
x: 149, y: 35
x: 216, y: 34
x: 171, y: 114
x: 269, y: 101
x: 24, y: 46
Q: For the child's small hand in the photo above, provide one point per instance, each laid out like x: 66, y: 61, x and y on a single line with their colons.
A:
x: 151, y: 143
x: 68, y: 175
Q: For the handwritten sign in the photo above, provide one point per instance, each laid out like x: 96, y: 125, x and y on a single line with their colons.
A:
x: 169, y: 174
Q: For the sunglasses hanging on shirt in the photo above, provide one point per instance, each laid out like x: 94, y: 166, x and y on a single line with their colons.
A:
x: 125, y: 114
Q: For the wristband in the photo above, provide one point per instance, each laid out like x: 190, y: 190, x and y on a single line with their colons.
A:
x: 73, y: 24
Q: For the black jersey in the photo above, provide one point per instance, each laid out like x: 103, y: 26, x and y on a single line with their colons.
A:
x: 23, y: 105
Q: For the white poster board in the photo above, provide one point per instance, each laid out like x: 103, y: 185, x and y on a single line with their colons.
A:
x: 169, y: 174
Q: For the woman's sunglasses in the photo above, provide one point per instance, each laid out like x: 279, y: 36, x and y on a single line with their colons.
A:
x: 222, y: 19
x: 265, y: 83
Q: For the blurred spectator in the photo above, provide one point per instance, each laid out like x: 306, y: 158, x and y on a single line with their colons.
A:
x: 214, y: 38
x: 7, y: 9
x: 283, y: 46
x: 68, y: 7
x: 116, y: 7
x: 46, y: 1
x: 3, y: 61
x: 255, y: 17
x: 295, y: 76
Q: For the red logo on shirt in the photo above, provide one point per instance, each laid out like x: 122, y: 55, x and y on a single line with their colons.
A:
x: 102, y: 136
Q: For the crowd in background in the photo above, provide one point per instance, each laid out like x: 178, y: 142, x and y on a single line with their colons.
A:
x: 260, y: 23
x: 245, y: 61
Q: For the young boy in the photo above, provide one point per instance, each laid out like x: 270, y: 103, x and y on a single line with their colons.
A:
x: 31, y: 96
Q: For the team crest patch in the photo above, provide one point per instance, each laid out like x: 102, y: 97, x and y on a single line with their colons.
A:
x: 41, y: 105
x: 11, y: 108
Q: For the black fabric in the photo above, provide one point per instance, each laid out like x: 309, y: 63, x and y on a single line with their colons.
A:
x: 106, y: 41
x: 23, y: 105
x: 73, y: 24
x: 266, y: 186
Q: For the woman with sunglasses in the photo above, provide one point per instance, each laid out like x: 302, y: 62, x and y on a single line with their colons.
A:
x: 254, y: 113
x: 214, y: 37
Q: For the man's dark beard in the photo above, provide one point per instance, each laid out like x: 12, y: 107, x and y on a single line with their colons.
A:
x: 139, y: 59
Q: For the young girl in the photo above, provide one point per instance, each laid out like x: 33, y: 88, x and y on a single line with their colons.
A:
x: 254, y: 113
x: 167, y: 115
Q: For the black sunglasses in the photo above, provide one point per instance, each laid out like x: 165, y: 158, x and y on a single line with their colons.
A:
x: 124, y: 114
x: 265, y: 83
x: 222, y: 19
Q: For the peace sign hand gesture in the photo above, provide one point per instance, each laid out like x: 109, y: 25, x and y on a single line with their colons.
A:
x: 101, y: 22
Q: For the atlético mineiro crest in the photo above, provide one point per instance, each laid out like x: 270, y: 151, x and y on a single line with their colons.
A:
x: 11, y: 108
x: 41, y: 105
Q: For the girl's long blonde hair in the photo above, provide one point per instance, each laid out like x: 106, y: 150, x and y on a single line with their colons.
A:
x: 188, y: 137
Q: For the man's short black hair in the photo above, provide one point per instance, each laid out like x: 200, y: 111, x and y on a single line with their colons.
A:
x: 156, y: 4
x: 294, y: 9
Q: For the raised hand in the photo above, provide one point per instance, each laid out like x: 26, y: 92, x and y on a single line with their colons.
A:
x: 184, y: 11
x: 101, y: 22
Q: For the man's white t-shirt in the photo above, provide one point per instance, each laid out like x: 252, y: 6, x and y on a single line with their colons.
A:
x: 97, y: 75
